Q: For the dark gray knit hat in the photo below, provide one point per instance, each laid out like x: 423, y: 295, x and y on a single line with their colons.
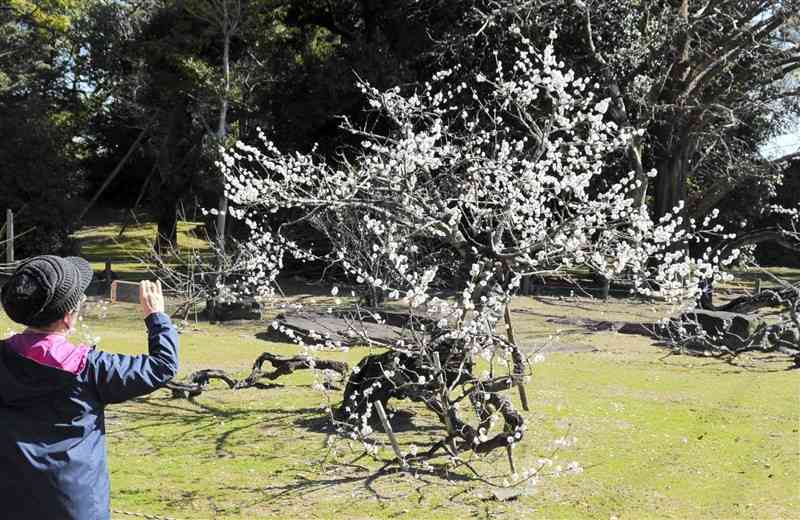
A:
x: 44, y: 288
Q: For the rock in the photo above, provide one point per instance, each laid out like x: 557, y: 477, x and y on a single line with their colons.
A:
x: 637, y: 329
x: 239, y: 310
x: 344, y: 327
x: 723, y: 328
x: 509, y: 493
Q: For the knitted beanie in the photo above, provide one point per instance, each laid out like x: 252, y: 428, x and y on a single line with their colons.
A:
x: 45, y: 288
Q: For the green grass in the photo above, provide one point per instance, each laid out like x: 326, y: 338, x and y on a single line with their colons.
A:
x: 672, y: 437
x: 659, y: 437
x: 103, y: 243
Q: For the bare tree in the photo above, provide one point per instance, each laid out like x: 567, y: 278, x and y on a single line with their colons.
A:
x: 227, y: 16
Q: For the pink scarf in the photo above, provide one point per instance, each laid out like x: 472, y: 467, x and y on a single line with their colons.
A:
x: 52, y: 350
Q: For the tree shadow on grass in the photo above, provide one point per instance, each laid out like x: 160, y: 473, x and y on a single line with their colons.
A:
x: 759, y: 363
x: 201, y: 415
x: 195, y: 416
x: 754, y: 361
x: 400, y: 420
x: 342, y: 474
x: 301, y: 479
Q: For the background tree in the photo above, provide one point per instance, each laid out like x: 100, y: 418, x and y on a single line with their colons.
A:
x: 710, y: 82
x: 41, y: 110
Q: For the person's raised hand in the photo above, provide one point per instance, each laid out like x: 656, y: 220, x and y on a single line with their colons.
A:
x: 151, y: 297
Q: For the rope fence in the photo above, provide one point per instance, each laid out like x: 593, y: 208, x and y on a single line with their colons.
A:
x: 142, y: 515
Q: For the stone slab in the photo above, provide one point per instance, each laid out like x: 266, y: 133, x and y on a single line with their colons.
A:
x: 335, y: 327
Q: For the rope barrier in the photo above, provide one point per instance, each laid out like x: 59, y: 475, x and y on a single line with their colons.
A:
x: 142, y: 515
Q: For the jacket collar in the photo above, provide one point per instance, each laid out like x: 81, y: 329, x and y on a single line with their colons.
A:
x: 51, y: 350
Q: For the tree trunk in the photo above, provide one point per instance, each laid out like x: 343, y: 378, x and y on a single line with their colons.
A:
x: 222, y: 134
x: 674, y: 134
x: 167, y: 236
x: 634, y: 152
x: 169, y: 187
x: 369, y: 13
x: 706, y: 300
x: 785, y: 238
x: 670, y: 185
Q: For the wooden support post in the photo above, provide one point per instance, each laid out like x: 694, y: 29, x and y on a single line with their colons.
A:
x: 509, y: 452
x: 108, y: 276
x: 113, y: 174
x: 132, y: 212
x: 388, y: 429
x: 606, y: 287
x: 9, y: 236
x: 437, y: 365
x: 517, y: 377
x: 758, y: 285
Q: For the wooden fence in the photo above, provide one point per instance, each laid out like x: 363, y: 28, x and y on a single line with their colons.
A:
x: 7, y: 237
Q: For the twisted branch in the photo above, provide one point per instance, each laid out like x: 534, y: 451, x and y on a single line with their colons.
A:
x: 197, y: 382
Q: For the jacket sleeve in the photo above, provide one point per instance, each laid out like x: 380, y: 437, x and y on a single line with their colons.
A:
x: 118, y: 377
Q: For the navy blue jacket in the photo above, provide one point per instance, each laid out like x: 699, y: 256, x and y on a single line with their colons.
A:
x: 52, y: 426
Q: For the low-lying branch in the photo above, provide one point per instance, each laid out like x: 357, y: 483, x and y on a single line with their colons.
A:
x: 765, y: 298
x: 197, y: 382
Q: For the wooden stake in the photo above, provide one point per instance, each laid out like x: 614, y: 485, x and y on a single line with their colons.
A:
x: 388, y: 429
x: 523, y: 395
x: 108, y: 276
x: 606, y: 286
x: 510, y: 454
x: 9, y: 236
x: 437, y: 365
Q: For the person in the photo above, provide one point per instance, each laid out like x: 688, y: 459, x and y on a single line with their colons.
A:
x: 53, y: 394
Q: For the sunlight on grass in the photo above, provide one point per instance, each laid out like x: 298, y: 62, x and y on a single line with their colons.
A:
x: 103, y: 243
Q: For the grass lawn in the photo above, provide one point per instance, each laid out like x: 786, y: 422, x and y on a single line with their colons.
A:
x: 102, y: 243
x: 659, y: 437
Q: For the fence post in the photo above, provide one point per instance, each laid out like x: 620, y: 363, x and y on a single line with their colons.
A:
x: 9, y: 236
